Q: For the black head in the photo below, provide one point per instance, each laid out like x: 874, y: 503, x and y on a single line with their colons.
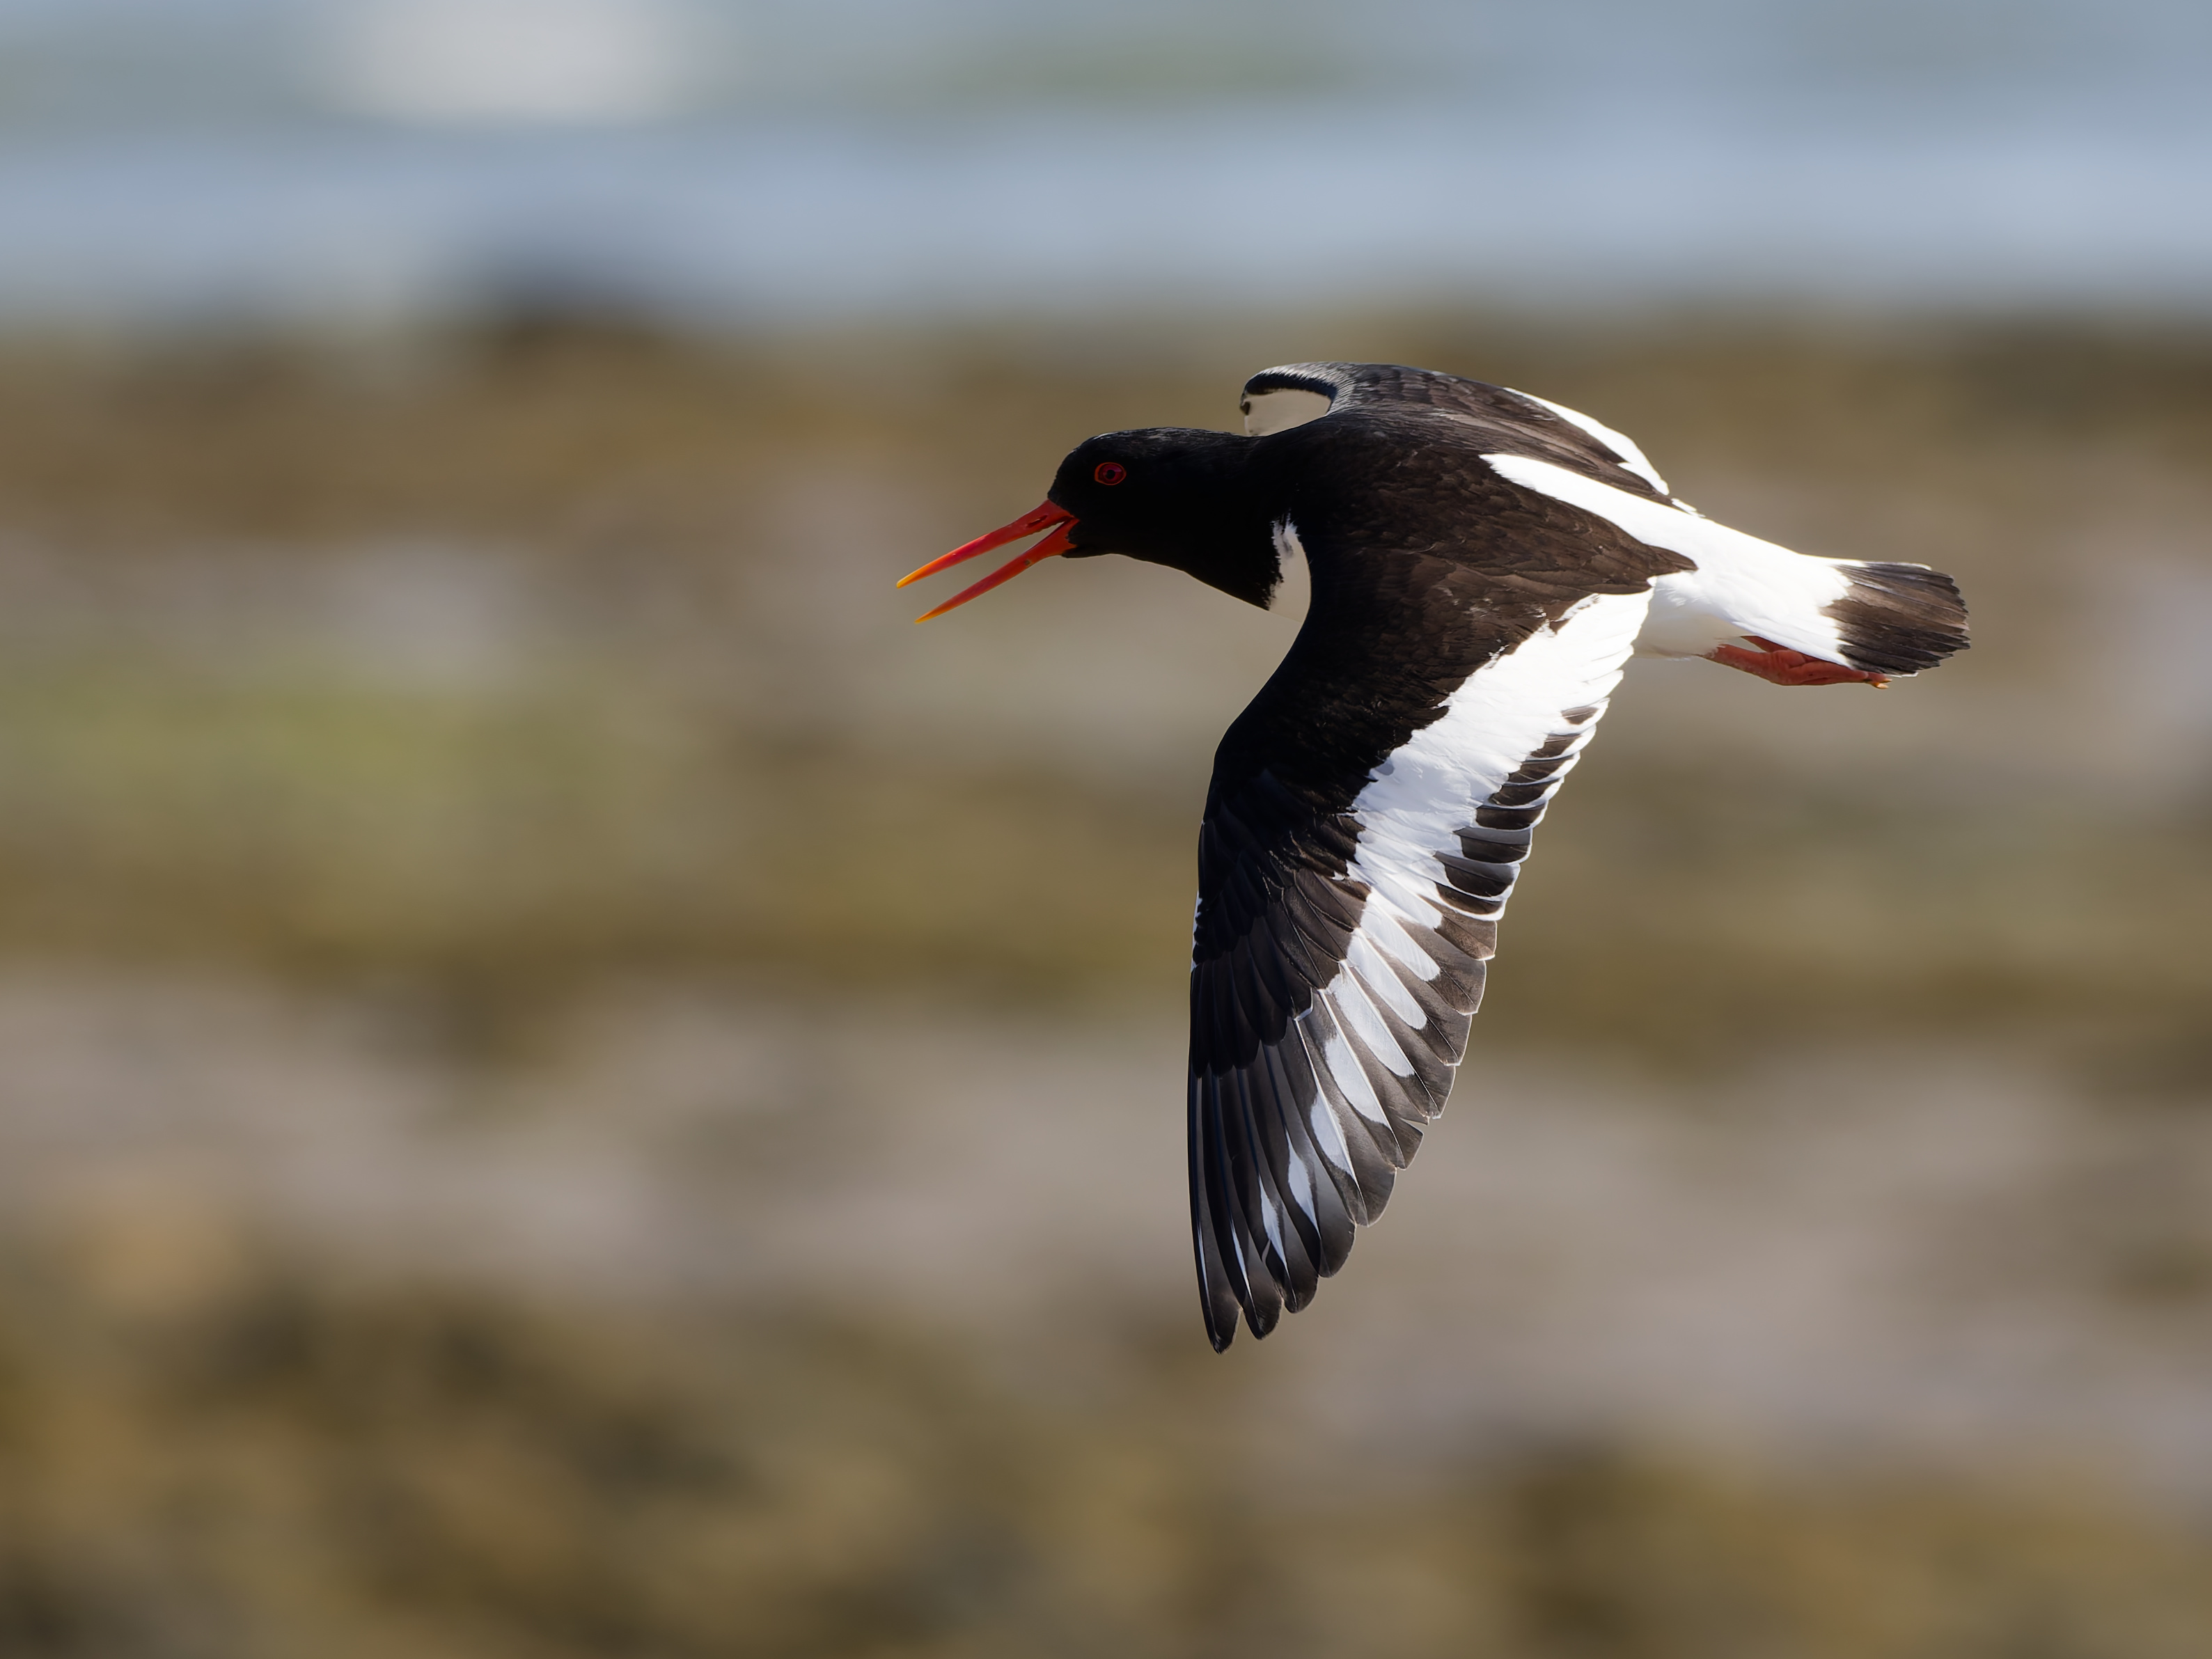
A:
x: 1165, y: 494
x: 1174, y: 497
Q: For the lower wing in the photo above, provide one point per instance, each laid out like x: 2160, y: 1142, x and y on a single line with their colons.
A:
x: 1343, y: 955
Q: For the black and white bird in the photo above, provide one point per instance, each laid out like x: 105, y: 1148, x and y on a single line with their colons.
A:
x: 1483, y: 564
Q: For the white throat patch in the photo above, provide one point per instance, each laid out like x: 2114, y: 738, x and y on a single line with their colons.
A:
x: 1281, y: 409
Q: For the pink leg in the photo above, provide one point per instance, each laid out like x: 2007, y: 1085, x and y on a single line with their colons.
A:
x: 1778, y: 666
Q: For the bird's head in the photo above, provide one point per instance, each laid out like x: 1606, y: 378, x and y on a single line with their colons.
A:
x: 1164, y: 494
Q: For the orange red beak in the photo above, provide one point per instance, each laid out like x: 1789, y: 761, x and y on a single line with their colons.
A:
x: 1047, y: 516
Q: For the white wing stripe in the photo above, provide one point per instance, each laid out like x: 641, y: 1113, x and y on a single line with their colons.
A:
x: 1329, y: 1133
x: 1381, y: 980
x: 1405, y: 877
x: 1302, y: 1187
x: 1344, y: 1066
x: 1417, y: 802
x: 1356, y: 1014
x: 1619, y: 443
x: 1321, y: 1110
x: 1380, y: 922
x: 1271, y: 1222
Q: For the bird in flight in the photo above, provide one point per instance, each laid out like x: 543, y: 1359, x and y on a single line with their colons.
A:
x: 1483, y: 565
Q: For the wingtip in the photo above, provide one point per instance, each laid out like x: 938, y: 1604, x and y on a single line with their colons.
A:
x: 1220, y: 1320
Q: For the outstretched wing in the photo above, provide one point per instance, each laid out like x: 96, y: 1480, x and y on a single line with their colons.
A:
x: 1367, y: 819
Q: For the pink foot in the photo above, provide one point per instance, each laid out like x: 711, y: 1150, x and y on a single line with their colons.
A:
x: 1779, y: 665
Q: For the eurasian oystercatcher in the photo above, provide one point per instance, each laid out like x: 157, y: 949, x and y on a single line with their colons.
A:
x: 1482, y: 563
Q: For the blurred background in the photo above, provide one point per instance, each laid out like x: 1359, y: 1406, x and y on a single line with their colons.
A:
x: 570, y: 1083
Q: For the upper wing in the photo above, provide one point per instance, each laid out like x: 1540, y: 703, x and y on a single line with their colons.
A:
x: 1493, y: 418
x: 1367, y: 816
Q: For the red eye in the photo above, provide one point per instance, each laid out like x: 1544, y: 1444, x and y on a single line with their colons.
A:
x: 1109, y: 473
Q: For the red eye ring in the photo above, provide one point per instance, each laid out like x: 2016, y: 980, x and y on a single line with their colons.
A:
x: 1109, y: 473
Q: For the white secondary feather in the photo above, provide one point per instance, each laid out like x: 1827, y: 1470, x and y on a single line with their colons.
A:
x: 1328, y: 1132
x: 1344, y: 1069
x: 1379, y: 922
x: 1618, y: 442
x: 1359, y: 1017
x: 1741, y: 585
x: 1379, y: 978
x: 1415, y: 805
x: 1301, y: 1180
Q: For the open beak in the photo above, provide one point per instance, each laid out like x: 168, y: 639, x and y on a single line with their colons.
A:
x: 1058, y: 520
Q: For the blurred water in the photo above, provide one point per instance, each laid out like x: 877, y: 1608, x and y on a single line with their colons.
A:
x: 363, y: 159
